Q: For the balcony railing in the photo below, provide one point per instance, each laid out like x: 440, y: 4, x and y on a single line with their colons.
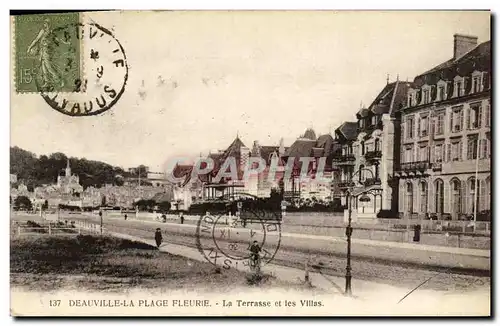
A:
x: 371, y: 181
x: 291, y: 194
x: 437, y: 166
x: 346, y: 184
x: 419, y: 166
x: 373, y: 154
x: 344, y: 158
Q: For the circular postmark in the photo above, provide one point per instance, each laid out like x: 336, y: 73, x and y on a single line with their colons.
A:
x: 95, y: 50
x: 222, y: 242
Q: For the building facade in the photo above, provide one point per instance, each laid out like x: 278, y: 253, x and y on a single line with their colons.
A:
x: 307, y: 187
x: 446, y: 137
x: 366, y: 159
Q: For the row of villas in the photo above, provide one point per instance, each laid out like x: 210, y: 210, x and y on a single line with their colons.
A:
x: 420, y: 146
x: 204, y: 188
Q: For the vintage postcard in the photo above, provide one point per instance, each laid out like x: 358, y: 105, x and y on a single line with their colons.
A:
x: 250, y: 163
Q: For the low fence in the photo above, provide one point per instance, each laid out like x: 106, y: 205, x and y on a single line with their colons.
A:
x: 337, y: 220
x: 437, y: 225
x: 145, y: 216
x: 57, y: 231
x: 440, y: 233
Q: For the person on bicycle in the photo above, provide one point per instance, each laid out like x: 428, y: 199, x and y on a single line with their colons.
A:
x: 254, y: 252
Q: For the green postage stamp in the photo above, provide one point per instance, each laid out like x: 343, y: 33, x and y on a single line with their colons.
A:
x: 47, y: 57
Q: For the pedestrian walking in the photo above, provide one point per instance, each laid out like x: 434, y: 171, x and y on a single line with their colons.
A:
x: 125, y: 216
x: 182, y: 217
x: 158, y: 237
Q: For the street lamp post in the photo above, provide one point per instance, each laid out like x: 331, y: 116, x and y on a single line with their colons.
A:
x: 348, y: 231
x: 100, y: 216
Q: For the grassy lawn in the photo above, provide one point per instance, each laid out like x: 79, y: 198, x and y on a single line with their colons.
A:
x: 110, y: 264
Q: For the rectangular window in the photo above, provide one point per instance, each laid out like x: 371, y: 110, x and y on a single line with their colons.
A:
x: 440, y: 124
x: 438, y: 153
x: 440, y: 93
x: 484, y: 148
x: 456, y: 149
x: 474, y: 117
x: 456, y: 120
x: 448, y: 152
x: 408, y: 155
x: 423, y: 153
x: 424, y: 123
x: 487, y: 114
x: 409, y: 128
x: 472, y: 148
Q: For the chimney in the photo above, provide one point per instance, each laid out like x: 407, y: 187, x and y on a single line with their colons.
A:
x: 463, y: 44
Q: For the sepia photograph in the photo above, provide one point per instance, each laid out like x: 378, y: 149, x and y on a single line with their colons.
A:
x: 312, y: 163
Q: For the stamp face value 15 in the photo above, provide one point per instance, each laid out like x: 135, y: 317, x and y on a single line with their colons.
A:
x: 47, y: 57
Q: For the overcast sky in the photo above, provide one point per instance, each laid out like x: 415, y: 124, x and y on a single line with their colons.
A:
x: 198, y: 78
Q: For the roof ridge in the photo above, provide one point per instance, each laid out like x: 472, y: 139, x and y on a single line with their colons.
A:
x: 393, y: 97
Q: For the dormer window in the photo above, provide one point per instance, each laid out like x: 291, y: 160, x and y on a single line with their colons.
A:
x: 458, y: 87
x: 426, y: 94
x: 412, y: 97
x: 477, y: 82
x: 441, y: 91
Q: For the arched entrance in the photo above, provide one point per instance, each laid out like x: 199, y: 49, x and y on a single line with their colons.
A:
x: 409, y: 199
x: 439, y: 196
x: 456, y: 198
x: 423, y: 197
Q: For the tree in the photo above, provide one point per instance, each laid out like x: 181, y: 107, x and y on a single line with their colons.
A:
x: 34, y: 172
x: 164, y: 206
x: 119, y: 181
x: 23, y: 202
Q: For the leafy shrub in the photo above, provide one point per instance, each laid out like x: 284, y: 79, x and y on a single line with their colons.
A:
x: 387, y: 213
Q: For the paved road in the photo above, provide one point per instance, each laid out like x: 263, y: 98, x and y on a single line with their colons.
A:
x: 407, y: 254
x: 368, y: 263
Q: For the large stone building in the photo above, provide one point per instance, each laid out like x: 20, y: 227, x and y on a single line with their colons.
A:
x: 366, y: 159
x: 446, y: 136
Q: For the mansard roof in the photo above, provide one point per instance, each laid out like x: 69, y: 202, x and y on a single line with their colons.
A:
x: 348, y: 130
x: 479, y: 58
